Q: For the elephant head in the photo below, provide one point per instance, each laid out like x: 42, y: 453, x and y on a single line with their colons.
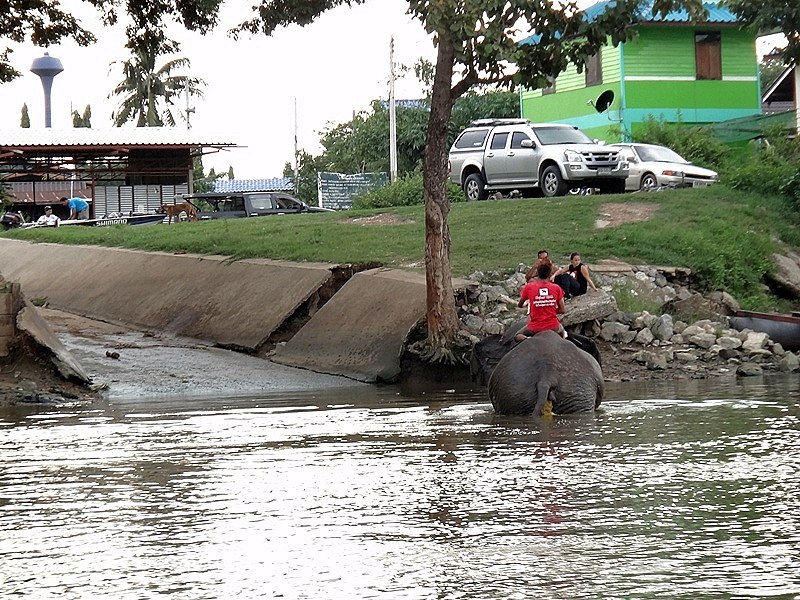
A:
x: 546, y: 367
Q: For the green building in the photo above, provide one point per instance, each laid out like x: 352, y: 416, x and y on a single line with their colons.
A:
x: 672, y: 70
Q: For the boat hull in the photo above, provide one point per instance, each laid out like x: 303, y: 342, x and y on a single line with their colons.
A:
x: 783, y: 329
x: 108, y: 221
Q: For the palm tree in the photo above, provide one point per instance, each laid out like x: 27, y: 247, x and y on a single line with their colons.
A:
x: 149, y: 94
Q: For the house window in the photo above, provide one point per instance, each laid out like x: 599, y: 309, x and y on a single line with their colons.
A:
x: 708, y: 54
x: 594, y: 70
x: 550, y: 89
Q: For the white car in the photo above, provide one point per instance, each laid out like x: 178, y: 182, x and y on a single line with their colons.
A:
x: 653, y: 166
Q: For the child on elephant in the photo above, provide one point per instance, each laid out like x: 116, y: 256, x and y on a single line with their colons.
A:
x: 545, y: 302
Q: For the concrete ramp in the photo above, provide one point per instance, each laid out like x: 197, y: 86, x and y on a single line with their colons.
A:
x: 233, y: 303
x: 361, y: 331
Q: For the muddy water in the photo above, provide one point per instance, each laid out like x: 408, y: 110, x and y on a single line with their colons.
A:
x: 669, y: 492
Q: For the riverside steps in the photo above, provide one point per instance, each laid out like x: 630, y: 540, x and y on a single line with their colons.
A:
x: 359, y: 331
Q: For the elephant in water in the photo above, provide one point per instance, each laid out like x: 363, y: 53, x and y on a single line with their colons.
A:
x: 546, y: 367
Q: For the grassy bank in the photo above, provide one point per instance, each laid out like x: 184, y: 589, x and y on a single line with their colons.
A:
x: 726, y: 236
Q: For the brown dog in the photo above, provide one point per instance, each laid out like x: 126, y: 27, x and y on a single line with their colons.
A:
x: 175, y: 210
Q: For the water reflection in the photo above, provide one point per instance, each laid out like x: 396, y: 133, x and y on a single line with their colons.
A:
x: 671, y: 491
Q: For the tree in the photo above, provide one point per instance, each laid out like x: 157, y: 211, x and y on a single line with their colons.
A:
x: 230, y: 172
x: 25, y: 119
x: 362, y: 144
x: 147, y: 93
x: 773, y: 16
x: 307, y: 168
x: 43, y: 22
x: 477, y: 42
x: 84, y: 120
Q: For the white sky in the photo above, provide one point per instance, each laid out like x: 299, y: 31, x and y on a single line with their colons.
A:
x: 328, y: 69
x: 331, y: 68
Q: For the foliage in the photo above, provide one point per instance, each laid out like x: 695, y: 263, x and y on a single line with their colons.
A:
x: 630, y: 299
x: 147, y: 93
x: 361, y: 145
x: 25, y: 119
x: 769, y: 69
x: 200, y: 181
x: 774, y: 16
x: 307, y: 168
x: 44, y: 22
x: 695, y: 144
x: 84, y: 120
x: 406, y: 191
x: 771, y: 165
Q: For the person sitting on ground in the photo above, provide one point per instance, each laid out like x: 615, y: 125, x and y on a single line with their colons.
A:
x: 545, y: 302
x: 78, y: 208
x: 48, y: 218
x: 574, y: 279
x: 542, y: 255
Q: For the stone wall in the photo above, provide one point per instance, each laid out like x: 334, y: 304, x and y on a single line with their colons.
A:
x: 10, y: 303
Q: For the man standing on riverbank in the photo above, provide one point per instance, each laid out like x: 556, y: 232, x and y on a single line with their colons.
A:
x: 78, y: 208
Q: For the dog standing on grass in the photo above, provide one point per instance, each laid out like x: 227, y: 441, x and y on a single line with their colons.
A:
x: 175, y: 210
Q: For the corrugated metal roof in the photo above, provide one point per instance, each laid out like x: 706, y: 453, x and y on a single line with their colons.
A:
x: 275, y: 184
x: 716, y: 14
x: 115, y: 136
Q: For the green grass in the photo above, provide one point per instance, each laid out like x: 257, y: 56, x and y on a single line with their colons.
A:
x: 726, y: 236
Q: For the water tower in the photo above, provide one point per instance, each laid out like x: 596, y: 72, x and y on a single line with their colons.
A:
x: 46, y: 67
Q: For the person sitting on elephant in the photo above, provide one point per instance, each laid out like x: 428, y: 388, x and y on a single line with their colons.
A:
x: 574, y: 279
x: 542, y: 255
x: 545, y: 302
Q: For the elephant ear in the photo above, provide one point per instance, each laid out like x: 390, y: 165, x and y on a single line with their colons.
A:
x: 586, y: 344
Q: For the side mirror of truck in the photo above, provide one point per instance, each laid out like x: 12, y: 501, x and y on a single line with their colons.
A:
x: 526, y: 144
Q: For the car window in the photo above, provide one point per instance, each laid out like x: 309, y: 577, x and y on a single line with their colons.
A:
x: 499, y: 141
x: 561, y: 135
x: 472, y: 138
x: 626, y: 152
x: 517, y: 138
x: 261, y: 201
x: 288, y: 203
x: 659, y: 154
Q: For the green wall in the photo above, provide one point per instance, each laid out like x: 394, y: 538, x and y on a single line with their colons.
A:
x: 654, y: 75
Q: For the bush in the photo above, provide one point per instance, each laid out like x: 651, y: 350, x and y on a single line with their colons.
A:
x: 406, y: 191
x: 695, y: 144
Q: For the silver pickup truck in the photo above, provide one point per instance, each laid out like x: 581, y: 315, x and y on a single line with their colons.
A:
x: 515, y: 154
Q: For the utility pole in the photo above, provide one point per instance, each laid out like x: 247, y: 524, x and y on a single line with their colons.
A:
x: 296, y: 153
x: 189, y: 110
x: 392, y: 117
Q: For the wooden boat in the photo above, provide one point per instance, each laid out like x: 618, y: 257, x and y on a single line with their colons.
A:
x: 783, y: 329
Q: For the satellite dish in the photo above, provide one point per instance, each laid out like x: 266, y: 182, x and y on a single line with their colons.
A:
x: 603, y: 101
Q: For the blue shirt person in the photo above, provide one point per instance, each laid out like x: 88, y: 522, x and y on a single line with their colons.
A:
x: 78, y: 208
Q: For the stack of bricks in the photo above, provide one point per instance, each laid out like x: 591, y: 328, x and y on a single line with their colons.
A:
x: 10, y: 304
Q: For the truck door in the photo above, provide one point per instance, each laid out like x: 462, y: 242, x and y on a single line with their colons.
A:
x: 523, y: 158
x: 494, y: 161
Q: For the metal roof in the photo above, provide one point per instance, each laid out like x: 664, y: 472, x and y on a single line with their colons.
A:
x: 275, y: 184
x: 717, y: 14
x: 115, y: 136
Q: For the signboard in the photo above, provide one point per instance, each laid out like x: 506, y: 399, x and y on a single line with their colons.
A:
x: 336, y: 190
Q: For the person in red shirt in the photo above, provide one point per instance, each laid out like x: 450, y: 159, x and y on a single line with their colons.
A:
x: 545, y: 302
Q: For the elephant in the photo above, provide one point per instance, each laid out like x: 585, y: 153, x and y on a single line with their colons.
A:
x: 488, y: 352
x: 546, y: 367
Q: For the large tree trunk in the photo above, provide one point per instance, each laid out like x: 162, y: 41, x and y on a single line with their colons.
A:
x: 441, y: 310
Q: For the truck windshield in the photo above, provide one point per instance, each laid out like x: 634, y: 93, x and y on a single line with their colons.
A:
x: 561, y: 135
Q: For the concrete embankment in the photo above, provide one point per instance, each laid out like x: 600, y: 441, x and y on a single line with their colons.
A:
x: 360, y: 333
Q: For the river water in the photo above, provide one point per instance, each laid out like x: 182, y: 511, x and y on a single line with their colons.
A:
x: 671, y: 491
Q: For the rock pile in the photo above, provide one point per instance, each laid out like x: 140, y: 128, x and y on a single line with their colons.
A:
x: 681, y: 334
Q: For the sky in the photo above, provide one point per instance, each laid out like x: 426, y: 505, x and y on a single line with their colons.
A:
x: 321, y: 73
x: 259, y: 89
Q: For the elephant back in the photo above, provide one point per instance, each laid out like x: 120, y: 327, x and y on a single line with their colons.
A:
x: 546, y: 364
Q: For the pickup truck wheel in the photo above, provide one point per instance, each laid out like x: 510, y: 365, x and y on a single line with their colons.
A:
x: 552, y: 183
x: 474, y: 188
x: 649, y: 182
